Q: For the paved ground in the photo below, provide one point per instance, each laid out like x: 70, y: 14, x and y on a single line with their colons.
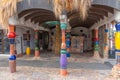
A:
x: 80, y: 67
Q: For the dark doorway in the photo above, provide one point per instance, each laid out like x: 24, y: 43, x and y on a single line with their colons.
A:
x: 43, y: 40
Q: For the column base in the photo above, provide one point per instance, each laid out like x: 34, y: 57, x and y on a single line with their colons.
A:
x: 116, y: 71
x: 105, y: 56
x: 63, y: 72
x: 37, y: 54
x: 96, y: 55
x: 12, y: 65
x: 106, y: 52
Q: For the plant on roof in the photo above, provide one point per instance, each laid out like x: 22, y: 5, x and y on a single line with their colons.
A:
x: 7, y: 9
x: 82, y: 6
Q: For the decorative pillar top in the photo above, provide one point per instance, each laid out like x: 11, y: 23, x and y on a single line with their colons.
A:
x: 117, y: 27
x: 13, y: 20
x: 63, y: 20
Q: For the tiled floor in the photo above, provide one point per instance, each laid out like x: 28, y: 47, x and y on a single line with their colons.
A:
x: 80, y: 67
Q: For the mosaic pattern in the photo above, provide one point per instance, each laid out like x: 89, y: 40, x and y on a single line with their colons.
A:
x: 12, y: 58
x: 37, y: 53
x: 63, y: 57
x: 117, y: 42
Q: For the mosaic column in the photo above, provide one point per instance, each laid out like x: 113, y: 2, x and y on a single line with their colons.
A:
x: 116, y: 68
x: 12, y: 58
x: 106, y: 44
x: 63, y: 56
x: 111, y: 40
x: 28, y: 50
x: 117, y: 42
x: 37, y: 52
x: 96, y: 44
x: 68, y: 40
x: 57, y: 39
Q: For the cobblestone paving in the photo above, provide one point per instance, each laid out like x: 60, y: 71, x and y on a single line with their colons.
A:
x: 47, y: 68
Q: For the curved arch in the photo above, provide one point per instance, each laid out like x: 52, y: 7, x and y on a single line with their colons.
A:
x: 44, y: 4
x: 42, y: 18
x: 91, y: 19
x: 105, y: 13
x: 111, y: 3
x: 76, y: 23
x: 76, y: 19
x: 104, y: 7
x: 45, y: 20
x: 50, y: 24
x: 77, y: 29
x: 91, y: 15
x: 33, y: 10
x: 95, y: 13
x: 28, y: 4
x: 38, y: 14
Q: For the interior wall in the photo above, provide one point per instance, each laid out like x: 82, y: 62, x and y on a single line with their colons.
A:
x: 32, y: 46
x: 52, y: 41
x: 88, y: 37
x: 21, y: 48
x: 87, y: 40
x: 5, y: 42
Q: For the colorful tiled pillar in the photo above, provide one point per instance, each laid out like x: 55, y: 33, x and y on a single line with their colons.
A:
x: 96, y: 44
x: 116, y: 68
x: 12, y: 58
x: 37, y: 52
x: 63, y: 56
x: 68, y: 40
x: 57, y: 40
x: 111, y: 40
x: 28, y: 50
x: 106, y: 40
x: 117, y: 43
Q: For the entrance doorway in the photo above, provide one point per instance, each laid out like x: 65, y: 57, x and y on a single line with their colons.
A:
x: 43, y: 40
